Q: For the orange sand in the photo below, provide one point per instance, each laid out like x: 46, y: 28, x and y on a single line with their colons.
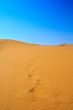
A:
x: 34, y: 77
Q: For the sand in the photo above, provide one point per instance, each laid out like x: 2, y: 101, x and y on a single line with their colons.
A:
x: 35, y: 77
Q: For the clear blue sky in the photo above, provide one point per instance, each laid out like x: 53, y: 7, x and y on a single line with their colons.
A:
x: 37, y: 21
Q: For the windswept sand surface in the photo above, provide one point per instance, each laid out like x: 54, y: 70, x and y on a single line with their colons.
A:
x: 34, y: 77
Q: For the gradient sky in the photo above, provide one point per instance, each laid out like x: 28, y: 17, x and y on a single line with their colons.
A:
x: 37, y: 21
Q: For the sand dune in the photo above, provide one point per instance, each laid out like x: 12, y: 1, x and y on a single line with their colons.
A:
x: 34, y: 77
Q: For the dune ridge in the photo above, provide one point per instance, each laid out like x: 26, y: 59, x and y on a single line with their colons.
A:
x: 35, y: 77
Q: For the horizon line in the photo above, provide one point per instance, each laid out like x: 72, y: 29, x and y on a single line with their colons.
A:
x: 61, y: 44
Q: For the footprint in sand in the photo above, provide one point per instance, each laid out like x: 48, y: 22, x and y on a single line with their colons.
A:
x: 35, y: 86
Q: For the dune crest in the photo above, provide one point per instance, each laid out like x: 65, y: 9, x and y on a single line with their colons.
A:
x: 34, y: 77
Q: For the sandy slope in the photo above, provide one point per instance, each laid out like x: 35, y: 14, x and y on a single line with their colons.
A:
x: 34, y: 77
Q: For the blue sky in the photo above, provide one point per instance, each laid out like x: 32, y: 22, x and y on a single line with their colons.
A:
x: 37, y: 21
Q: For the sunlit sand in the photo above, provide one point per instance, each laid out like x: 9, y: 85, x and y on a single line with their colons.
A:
x: 35, y: 77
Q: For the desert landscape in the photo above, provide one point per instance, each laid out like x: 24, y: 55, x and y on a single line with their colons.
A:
x: 35, y: 77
